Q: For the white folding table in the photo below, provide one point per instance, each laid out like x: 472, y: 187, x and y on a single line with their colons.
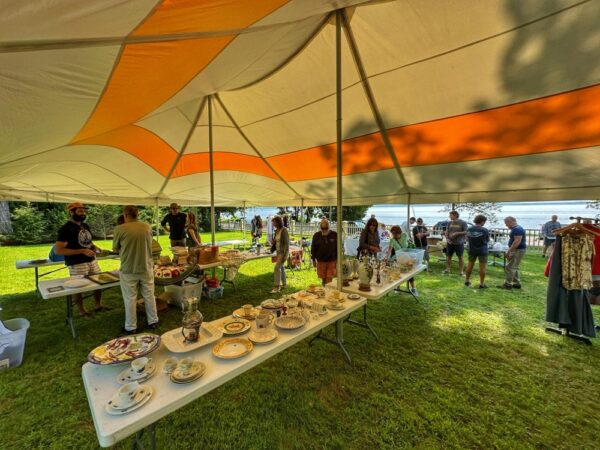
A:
x: 101, y: 381
x: 45, y: 289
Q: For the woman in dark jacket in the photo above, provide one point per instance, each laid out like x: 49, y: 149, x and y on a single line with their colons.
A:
x: 369, y: 239
x: 324, y: 250
x: 281, y: 244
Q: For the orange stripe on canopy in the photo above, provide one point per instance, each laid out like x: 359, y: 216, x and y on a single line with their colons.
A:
x: 560, y: 122
x: 198, y: 162
x: 140, y: 143
x: 148, y: 74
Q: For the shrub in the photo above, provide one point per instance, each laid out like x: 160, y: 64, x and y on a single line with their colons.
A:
x: 28, y: 225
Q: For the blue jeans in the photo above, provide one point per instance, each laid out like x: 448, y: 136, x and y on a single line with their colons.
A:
x: 279, y: 271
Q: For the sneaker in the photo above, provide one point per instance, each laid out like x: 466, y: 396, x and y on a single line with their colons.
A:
x: 462, y: 274
x: 153, y: 326
x: 275, y: 290
x: 128, y: 332
x: 414, y: 292
x: 506, y: 286
x: 467, y: 283
x: 516, y: 286
x: 446, y: 271
x: 483, y: 286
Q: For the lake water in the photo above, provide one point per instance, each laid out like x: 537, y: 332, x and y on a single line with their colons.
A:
x: 528, y: 214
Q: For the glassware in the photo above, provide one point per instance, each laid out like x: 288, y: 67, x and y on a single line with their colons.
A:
x: 192, y: 320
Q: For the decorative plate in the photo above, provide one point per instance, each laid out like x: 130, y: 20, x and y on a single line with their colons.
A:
x: 175, y: 343
x: 124, y: 349
x: 335, y: 307
x: 235, y: 326
x: 143, y: 394
x: 265, y: 337
x: 196, y: 371
x: 353, y: 297
x: 232, y: 348
x: 76, y: 283
x: 303, y: 295
x: 239, y: 313
x: 290, y: 322
x: 272, y: 304
x: 129, y: 375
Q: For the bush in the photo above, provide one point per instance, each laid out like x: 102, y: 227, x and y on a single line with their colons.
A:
x: 54, y: 219
x: 28, y: 225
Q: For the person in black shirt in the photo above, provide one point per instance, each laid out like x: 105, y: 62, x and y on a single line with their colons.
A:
x: 324, y: 250
x: 74, y: 241
x: 420, y: 234
x: 478, y: 238
x: 174, y: 224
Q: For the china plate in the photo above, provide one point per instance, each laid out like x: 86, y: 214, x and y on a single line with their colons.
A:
x: 339, y: 307
x: 195, y: 372
x: 232, y: 348
x: 129, y: 375
x: 235, y: 326
x: 76, y: 283
x: 290, y: 322
x: 303, y: 295
x: 239, y: 313
x: 175, y: 343
x: 144, y: 393
x: 353, y: 297
x: 124, y: 349
x: 265, y: 337
x: 271, y: 304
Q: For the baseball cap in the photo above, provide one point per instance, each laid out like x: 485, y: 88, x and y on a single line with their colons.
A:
x: 174, y: 205
x: 75, y: 205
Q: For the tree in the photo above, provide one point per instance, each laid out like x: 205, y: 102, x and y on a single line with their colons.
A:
x: 5, y: 223
x: 28, y: 225
x: 102, y: 219
x: 595, y: 205
x: 488, y: 209
x: 350, y: 213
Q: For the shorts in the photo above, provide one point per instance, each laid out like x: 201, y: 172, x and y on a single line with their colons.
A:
x: 88, y: 268
x: 178, y: 242
x: 451, y: 249
x: 326, y: 269
x: 483, y: 259
x: 549, y: 242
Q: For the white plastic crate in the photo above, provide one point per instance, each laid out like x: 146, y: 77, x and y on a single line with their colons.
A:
x: 13, y: 344
x: 416, y: 254
x: 186, y: 290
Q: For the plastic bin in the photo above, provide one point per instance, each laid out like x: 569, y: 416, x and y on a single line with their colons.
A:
x: 13, y: 344
x: 416, y: 254
x: 188, y: 289
x: 213, y: 293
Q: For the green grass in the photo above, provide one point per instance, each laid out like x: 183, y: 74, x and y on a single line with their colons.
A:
x: 463, y: 369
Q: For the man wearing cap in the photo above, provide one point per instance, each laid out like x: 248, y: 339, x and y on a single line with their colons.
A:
x: 74, y: 241
x: 324, y: 250
x: 174, y: 224
x: 133, y: 242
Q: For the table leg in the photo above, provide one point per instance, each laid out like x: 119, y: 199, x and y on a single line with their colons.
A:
x: 36, y: 278
x: 339, y: 339
x: 69, y: 319
x: 138, y: 443
x: 364, y: 323
x: 407, y: 291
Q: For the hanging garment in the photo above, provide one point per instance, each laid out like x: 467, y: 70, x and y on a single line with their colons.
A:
x: 568, y: 308
x: 596, y: 260
x: 577, y: 254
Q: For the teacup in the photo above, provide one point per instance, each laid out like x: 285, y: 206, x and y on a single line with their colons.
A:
x: 333, y: 301
x: 263, y: 321
x: 312, y: 288
x: 127, y: 392
x: 140, y: 364
x: 185, y: 365
x: 317, y: 307
x: 170, y: 364
x: 247, y: 310
x: 337, y: 295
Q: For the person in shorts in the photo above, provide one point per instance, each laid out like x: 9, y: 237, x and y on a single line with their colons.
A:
x: 324, y: 250
x: 478, y: 237
x: 74, y: 242
x: 455, y: 235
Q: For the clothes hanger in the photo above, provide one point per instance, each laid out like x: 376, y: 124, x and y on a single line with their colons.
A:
x: 576, y: 228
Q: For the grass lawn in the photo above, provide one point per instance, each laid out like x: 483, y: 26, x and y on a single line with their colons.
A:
x: 463, y: 369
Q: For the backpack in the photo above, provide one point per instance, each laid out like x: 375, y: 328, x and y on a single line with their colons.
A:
x: 52, y: 256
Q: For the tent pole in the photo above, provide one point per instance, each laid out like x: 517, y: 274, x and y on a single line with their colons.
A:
x: 157, y: 219
x: 338, y: 102
x: 301, y: 217
x: 244, y: 220
x: 409, y: 237
x: 212, y: 175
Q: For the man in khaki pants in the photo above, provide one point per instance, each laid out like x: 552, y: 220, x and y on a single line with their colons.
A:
x: 514, y: 255
x: 133, y: 241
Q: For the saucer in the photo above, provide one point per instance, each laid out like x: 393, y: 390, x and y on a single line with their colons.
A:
x: 129, y: 375
x: 239, y: 313
x: 264, y: 337
x: 335, y: 308
x: 235, y: 326
x: 353, y: 297
x: 141, y: 397
x: 196, y: 371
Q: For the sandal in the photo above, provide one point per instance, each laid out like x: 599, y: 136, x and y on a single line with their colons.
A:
x: 102, y: 308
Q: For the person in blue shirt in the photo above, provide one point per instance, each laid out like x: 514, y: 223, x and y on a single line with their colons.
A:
x: 514, y: 255
x: 478, y: 237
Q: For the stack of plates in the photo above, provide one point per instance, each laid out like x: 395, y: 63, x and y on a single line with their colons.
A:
x: 196, y: 371
x: 129, y: 375
x: 140, y: 397
x: 263, y: 337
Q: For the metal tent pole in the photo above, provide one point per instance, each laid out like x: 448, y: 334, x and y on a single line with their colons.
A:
x: 212, y: 175
x: 301, y: 217
x: 338, y: 104
x: 157, y: 218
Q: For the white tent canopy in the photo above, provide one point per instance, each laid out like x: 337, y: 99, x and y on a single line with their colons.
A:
x: 443, y: 101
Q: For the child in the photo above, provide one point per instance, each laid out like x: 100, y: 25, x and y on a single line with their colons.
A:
x: 478, y: 237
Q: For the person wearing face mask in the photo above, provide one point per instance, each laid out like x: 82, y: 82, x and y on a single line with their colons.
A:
x: 324, y: 250
x: 74, y: 242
